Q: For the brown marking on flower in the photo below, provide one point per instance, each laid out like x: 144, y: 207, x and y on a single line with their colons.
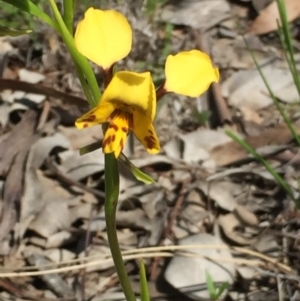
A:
x: 150, y: 141
x: 130, y: 120
x: 122, y: 143
x: 90, y: 118
x: 114, y: 126
x: 124, y: 129
x: 150, y: 132
x: 113, y: 138
x: 85, y: 125
x: 107, y: 140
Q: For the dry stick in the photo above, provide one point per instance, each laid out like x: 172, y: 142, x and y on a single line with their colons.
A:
x: 17, y: 291
x: 93, y: 260
x: 176, y: 208
x: 240, y: 261
x: 69, y: 181
x: 44, y: 115
x: 86, y: 253
x: 220, y: 103
x: 168, y: 230
x: 41, y: 89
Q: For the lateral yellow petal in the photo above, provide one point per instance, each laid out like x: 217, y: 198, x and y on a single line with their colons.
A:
x: 189, y: 73
x: 97, y: 115
x: 104, y: 37
x: 133, y: 91
x: 116, y: 134
x: 144, y: 131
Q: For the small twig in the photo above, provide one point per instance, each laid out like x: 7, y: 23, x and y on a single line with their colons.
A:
x: 165, y: 251
x: 176, y: 209
x: 44, y: 115
x: 220, y: 103
x: 279, y: 289
x: 69, y: 181
x: 168, y: 230
x: 86, y: 252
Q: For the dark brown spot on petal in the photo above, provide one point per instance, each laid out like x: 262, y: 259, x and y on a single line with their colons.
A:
x: 150, y: 141
x: 150, y: 132
x: 107, y: 141
x: 85, y: 125
x: 121, y: 143
x: 114, y: 126
x: 124, y: 129
x: 113, y: 138
x: 90, y: 118
x: 130, y: 121
x: 115, y: 113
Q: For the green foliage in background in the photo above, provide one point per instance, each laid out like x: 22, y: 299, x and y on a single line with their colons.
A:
x: 14, y: 17
x: 214, y: 291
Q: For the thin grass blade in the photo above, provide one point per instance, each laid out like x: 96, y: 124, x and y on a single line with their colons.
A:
x: 266, y: 164
x: 143, y: 283
x: 276, y: 102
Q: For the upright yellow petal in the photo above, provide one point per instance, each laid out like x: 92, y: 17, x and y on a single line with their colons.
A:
x: 189, y: 73
x: 98, y: 115
x: 144, y: 131
x: 104, y: 37
x: 132, y: 91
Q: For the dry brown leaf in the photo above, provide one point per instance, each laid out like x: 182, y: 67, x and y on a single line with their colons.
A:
x: 53, y: 217
x: 246, y: 216
x: 246, y: 88
x: 232, y: 152
x: 222, y: 192
x: 196, y: 14
x: 59, y: 255
x: 54, y: 281
x: 267, y: 244
x: 229, y: 224
x: 58, y: 239
x: 13, y: 155
x: 267, y: 20
x: 35, y: 182
x: 188, y: 274
x: 67, y: 106
x: 77, y: 167
x: 81, y: 138
x: 259, y: 5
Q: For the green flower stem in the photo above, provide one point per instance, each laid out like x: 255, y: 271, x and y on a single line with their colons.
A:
x: 111, y: 200
x: 69, y: 15
x: 85, y: 87
x: 111, y: 165
x: 87, y: 76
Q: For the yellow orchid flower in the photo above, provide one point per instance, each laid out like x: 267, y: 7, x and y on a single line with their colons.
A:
x: 128, y: 103
x: 129, y: 100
